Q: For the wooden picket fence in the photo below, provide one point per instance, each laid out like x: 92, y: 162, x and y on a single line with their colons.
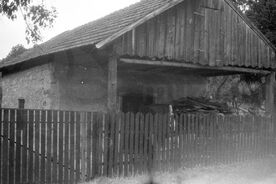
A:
x: 47, y: 146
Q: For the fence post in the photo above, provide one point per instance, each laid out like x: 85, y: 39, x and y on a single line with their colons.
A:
x: 83, y: 144
x: 95, y: 139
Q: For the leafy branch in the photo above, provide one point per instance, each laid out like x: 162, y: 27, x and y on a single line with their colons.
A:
x: 36, y: 17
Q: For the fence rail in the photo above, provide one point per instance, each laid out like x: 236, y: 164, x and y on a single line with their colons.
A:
x: 45, y: 146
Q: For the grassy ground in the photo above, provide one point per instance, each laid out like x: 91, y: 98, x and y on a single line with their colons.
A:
x: 257, y: 172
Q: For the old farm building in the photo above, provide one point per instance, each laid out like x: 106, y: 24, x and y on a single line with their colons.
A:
x: 150, y: 53
x: 154, y: 51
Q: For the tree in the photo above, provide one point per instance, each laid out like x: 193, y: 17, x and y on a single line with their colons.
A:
x: 15, y: 51
x: 36, y: 16
x: 262, y: 13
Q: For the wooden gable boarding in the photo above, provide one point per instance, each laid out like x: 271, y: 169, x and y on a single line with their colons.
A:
x: 205, y: 32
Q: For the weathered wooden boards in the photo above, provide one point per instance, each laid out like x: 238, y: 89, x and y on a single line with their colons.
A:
x: 47, y: 146
x: 68, y: 147
x: 200, y: 32
x: 112, y: 84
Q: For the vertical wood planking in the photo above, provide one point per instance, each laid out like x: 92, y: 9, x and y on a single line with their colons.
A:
x: 49, y: 147
x: 163, y: 127
x: 72, y: 147
x: 60, y: 146
x: 127, y: 144
x: 55, y: 147
x: 1, y: 145
x: 24, y: 126
x: 159, y: 147
x: 23, y: 144
x: 5, y: 170
x: 66, y: 147
x: 136, y: 142
x: 111, y: 145
x: 182, y: 136
x: 89, y: 138
x: 155, y: 143
x: 175, y: 119
x: 18, y: 157
x: 141, y: 142
x: 132, y: 143
x: 95, y: 140
x: 146, y: 143
x: 78, y: 148
x: 117, y: 140
x: 43, y: 145
x: 106, y: 144
x: 122, y: 151
x: 37, y: 143
x: 12, y: 147
x: 31, y: 147
x: 100, y: 144
x: 150, y: 142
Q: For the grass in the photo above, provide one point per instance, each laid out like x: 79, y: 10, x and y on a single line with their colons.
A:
x: 254, y: 172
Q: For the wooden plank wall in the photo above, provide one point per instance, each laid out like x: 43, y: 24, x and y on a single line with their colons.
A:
x: 200, y: 32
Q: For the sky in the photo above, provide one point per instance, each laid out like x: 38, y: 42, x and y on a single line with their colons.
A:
x: 71, y: 14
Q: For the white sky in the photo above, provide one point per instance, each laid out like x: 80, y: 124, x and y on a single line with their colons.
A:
x: 70, y: 15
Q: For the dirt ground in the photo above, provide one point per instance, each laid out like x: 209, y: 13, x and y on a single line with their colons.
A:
x: 257, y: 172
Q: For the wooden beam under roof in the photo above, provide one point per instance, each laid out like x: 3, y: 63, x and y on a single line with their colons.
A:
x: 194, y: 66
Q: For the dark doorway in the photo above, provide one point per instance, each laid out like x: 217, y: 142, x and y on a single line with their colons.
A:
x: 136, y: 102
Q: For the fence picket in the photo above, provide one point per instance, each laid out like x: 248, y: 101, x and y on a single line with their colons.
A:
x: 111, y: 144
x: 60, y: 146
x: 42, y: 145
x: 122, y: 153
x: 12, y: 146
x: 146, y: 143
x: 89, y: 138
x: 48, y: 146
x: 117, y: 140
x: 37, y: 144
x: 5, y: 173
x: 78, y: 148
x: 150, y: 142
x: 106, y: 145
x: 127, y: 143
x: 100, y: 144
x: 162, y: 141
x: 66, y: 147
x: 54, y: 147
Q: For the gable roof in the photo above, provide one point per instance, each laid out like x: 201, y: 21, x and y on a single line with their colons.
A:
x: 92, y: 32
x: 104, y: 30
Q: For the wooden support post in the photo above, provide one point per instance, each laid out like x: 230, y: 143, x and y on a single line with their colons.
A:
x: 112, y: 84
x: 133, y: 41
x: 269, y: 92
x: 1, y: 90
